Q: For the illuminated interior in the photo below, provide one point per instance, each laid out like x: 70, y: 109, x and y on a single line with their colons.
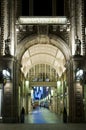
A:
x: 43, y: 54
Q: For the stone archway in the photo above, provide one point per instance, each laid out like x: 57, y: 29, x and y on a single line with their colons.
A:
x: 32, y: 40
x: 44, y: 39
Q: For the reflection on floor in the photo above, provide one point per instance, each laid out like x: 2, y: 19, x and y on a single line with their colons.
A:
x: 42, y: 116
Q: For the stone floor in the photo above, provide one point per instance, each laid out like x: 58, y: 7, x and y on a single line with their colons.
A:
x: 42, y: 119
x: 42, y: 126
x: 42, y: 116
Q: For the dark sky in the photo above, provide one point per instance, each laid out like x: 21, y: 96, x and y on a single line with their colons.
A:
x: 42, y: 7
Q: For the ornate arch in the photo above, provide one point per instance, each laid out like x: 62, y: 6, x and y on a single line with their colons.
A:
x: 33, y: 40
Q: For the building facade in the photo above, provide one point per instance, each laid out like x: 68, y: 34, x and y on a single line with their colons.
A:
x: 46, y: 47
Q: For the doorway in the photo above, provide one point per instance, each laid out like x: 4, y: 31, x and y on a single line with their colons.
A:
x: 44, y: 65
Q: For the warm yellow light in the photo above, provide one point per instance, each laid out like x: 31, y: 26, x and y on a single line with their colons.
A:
x: 27, y: 83
x: 42, y: 20
x: 58, y: 83
x: 51, y: 92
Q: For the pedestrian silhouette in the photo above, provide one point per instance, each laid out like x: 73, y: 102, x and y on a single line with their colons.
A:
x: 64, y: 115
x: 22, y: 115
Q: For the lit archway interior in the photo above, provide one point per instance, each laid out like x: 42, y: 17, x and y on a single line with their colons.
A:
x: 41, y: 62
x: 43, y: 54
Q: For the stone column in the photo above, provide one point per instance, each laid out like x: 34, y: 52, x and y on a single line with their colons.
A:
x: 12, y: 19
x: 10, y: 92
x: 76, y: 110
x: 73, y: 27
x: 7, y: 25
x: 83, y: 28
x: 69, y: 72
x: 76, y: 89
x: 78, y: 106
x: 79, y: 23
x: 4, y: 24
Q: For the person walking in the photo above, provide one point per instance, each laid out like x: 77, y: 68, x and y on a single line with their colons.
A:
x: 22, y: 115
x: 64, y: 115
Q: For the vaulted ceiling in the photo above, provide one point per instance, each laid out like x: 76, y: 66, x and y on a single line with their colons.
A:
x: 43, y: 54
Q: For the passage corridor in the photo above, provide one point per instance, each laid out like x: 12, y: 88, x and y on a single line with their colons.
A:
x: 42, y: 116
x: 43, y: 119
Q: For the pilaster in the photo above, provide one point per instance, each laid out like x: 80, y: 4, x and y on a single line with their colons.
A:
x: 8, y: 67
x: 78, y: 82
x: 12, y: 19
x: 69, y: 72
x: 73, y: 27
x: 4, y: 24
x: 7, y: 25
x: 80, y: 23
x: 77, y: 25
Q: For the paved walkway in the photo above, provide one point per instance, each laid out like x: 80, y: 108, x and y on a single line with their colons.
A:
x: 42, y: 119
x: 42, y: 116
x: 42, y: 126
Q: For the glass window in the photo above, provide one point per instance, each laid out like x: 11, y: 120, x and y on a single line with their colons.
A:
x: 42, y: 8
x: 60, y: 7
x: 25, y: 7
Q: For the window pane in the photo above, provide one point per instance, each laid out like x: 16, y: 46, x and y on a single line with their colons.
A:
x: 42, y: 7
x: 60, y: 7
x: 25, y: 7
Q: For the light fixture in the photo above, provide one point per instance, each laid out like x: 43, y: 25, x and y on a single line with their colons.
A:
x: 79, y: 74
x: 58, y: 83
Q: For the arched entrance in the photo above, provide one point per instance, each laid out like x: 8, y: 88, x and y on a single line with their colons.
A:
x: 43, y: 62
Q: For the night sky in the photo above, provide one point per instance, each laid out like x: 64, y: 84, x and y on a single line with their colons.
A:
x: 42, y: 7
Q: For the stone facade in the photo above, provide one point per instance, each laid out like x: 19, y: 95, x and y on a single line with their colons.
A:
x: 10, y: 11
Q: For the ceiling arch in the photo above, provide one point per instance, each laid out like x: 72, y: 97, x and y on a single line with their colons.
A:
x: 50, y: 39
x: 43, y: 50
